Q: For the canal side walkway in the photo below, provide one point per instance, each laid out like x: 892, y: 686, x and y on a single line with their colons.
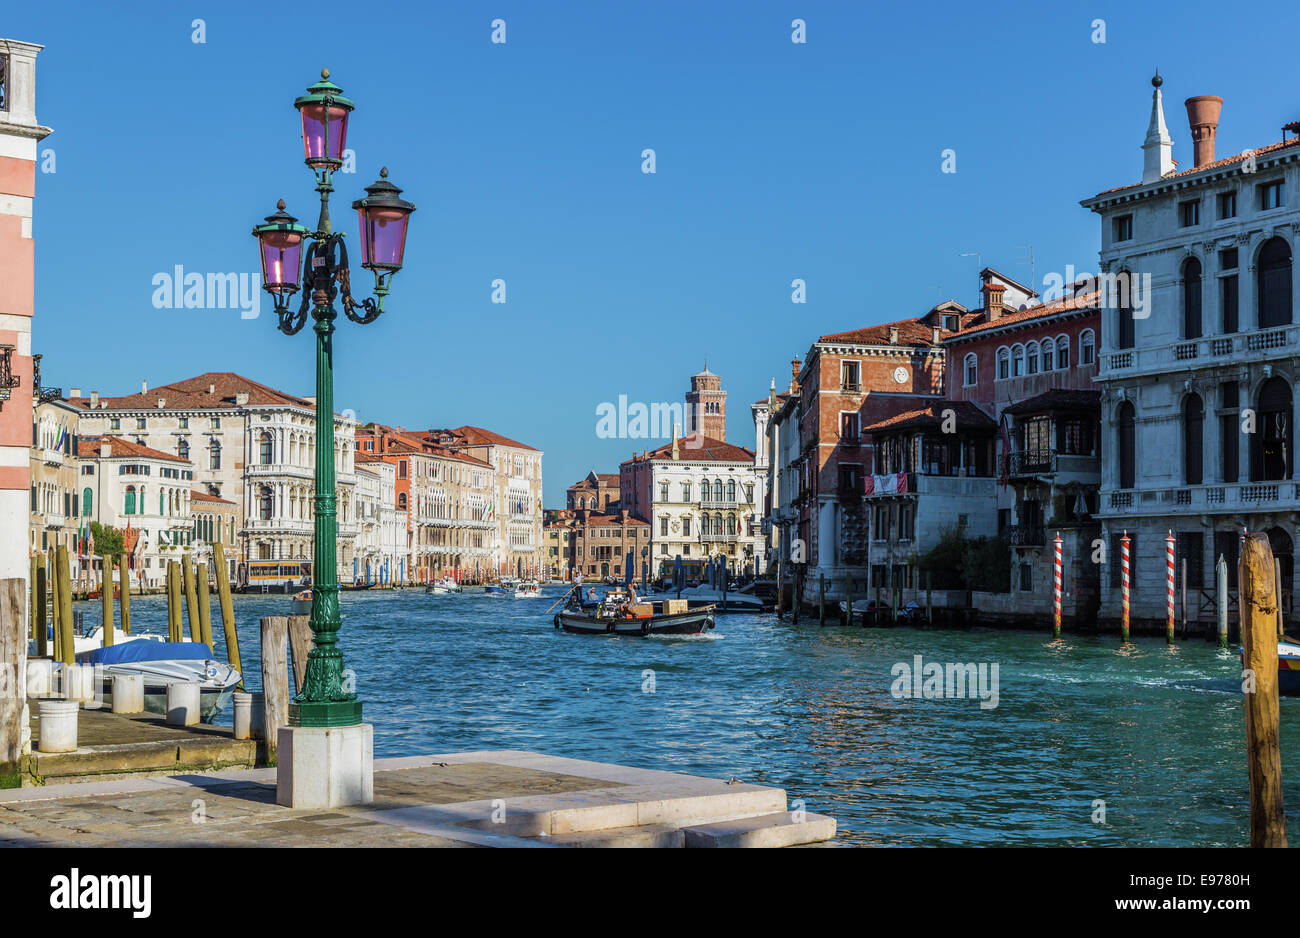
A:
x: 504, y: 798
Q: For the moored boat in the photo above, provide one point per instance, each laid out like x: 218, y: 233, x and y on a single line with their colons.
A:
x: 443, y: 586
x: 163, y: 663
x: 527, y: 590
x: 641, y: 619
x: 300, y: 605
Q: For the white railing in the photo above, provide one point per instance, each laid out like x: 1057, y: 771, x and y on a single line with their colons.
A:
x: 1211, y: 498
x: 1268, y: 343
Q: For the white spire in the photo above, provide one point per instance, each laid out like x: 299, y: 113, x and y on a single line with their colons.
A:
x: 1158, y: 160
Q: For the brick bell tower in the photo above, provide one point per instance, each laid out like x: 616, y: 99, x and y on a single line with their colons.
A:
x: 706, y: 406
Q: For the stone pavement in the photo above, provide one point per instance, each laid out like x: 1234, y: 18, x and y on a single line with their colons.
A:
x: 489, y: 799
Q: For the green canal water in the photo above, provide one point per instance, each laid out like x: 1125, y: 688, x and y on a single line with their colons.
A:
x: 1156, y: 734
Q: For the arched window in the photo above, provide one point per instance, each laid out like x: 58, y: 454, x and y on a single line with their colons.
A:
x: 162, y: 505
x: 401, y: 500
x: 1062, y: 351
x: 1126, y: 420
x: 1004, y: 364
x: 731, y: 524
x: 717, y: 524
x: 970, y: 370
x: 1031, y: 358
x: 1049, y: 354
x: 87, y: 502
x: 183, y: 448
x: 731, y: 490
x: 1087, y: 347
x: 717, y: 490
x: 1192, y: 299
x: 267, y: 448
x: 214, y: 455
x: 266, y: 504
x: 129, y: 507
x: 1017, y: 361
x: 1124, y: 311
x: 1275, y: 284
x: 1193, y: 452
x: 1272, y: 442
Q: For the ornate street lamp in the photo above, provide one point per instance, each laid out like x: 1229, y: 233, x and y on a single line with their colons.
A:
x: 322, y: 272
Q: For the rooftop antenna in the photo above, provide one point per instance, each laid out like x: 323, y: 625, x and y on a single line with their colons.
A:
x: 975, y: 254
x: 1032, y: 272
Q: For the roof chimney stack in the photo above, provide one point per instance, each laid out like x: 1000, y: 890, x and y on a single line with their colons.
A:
x: 75, y: 393
x: 993, y: 299
x: 144, y: 387
x: 94, y: 398
x: 795, y: 365
x: 893, y: 335
x: 1203, y: 115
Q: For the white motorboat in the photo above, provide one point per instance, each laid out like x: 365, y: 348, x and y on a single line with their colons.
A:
x: 731, y: 601
x: 445, y: 585
x: 161, y: 663
x: 527, y: 590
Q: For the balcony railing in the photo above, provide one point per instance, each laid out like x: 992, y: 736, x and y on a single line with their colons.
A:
x: 1050, y: 462
x: 719, y: 538
x: 1027, y: 535
x: 1208, y: 351
x: 725, y: 504
x: 1213, y: 498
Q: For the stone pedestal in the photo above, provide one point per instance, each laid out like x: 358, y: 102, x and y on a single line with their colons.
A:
x: 128, y: 693
x: 325, y: 767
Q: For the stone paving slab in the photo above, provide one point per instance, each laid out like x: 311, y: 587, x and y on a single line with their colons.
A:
x: 480, y: 799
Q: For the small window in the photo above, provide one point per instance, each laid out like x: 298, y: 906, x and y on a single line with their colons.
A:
x: 140, y: 423
x: 850, y: 376
x: 1004, y: 364
x: 184, y: 423
x: 1062, y: 352
x: 1189, y: 213
x: 1228, y: 259
x: 1123, y: 228
x: 971, y: 370
x: 1227, y: 204
x: 1272, y: 195
x: 1087, y: 348
x: 114, y: 423
x: 848, y: 431
x: 1026, y: 578
x: 215, y: 423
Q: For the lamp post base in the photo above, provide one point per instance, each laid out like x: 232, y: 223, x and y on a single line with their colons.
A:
x: 325, y: 767
x: 325, y: 713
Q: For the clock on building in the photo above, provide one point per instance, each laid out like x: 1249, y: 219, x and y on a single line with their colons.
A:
x: 900, y: 374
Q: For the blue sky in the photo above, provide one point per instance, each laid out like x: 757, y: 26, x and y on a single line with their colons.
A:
x: 775, y: 161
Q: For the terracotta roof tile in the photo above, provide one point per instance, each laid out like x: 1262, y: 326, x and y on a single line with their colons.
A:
x: 709, y: 450
x: 1015, y: 317
x: 193, y: 393
x: 198, y: 496
x: 1057, y: 399
x: 120, y: 448
x: 910, y: 332
x: 969, y: 417
x: 1217, y: 164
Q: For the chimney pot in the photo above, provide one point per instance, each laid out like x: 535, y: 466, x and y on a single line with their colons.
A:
x: 893, y: 335
x: 1203, y: 115
x: 105, y: 450
x: 94, y: 398
x: 75, y: 393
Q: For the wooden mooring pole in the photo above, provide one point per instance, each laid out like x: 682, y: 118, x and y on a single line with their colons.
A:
x: 1258, y: 606
x: 191, y: 598
x: 13, y: 647
x: 106, y: 599
x: 39, y: 615
x: 848, y: 599
x: 1057, y: 577
x: 821, y: 599
x: 1169, y: 588
x: 124, y: 584
x: 1124, y: 542
x: 275, y: 681
x: 300, y: 641
x: 227, y: 608
x: 205, y: 605
x: 64, y: 577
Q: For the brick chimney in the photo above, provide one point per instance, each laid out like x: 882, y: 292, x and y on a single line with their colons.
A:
x: 893, y: 335
x: 1203, y: 115
x: 795, y: 365
x: 94, y: 399
x: 993, y: 299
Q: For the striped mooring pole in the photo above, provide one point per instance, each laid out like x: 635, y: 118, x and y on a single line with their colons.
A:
x: 1056, y: 588
x: 1169, y: 587
x: 1123, y: 586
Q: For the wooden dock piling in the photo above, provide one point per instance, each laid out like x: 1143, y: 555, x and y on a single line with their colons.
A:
x: 1277, y: 588
x: 227, y: 608
x: 300, y: 642
x: 13, y: 644
x: 821, y: 599
x: 56, y: 644
x: 848, y: 599
x: 124, y: 584
x: 1258, y: 606
x: 275, y: 681
x: 64, y: 578
x: 106, y: 599
x: 40, y: 612
x: 191, y: 598
x: 205, y: 606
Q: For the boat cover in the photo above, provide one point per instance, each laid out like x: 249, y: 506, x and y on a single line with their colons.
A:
x: 128, y: 652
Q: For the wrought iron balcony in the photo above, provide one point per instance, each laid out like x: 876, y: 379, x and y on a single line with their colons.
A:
x: 1027, y: 535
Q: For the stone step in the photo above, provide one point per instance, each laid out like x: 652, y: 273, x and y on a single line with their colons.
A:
x: 700, y: 801
x: 767, y: 830
x: 647, y: 835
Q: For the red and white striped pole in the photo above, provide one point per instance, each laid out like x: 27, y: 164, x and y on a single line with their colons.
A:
x: 1056, y: 588
x: 1123, y: 586
x: 1169, y: 587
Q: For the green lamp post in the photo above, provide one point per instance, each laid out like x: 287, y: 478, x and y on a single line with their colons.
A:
x: 322, y: 270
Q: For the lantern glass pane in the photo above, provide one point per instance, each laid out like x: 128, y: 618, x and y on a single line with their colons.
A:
x: 281, y: 260
x: 383, y: 236
x: 324, y: 131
